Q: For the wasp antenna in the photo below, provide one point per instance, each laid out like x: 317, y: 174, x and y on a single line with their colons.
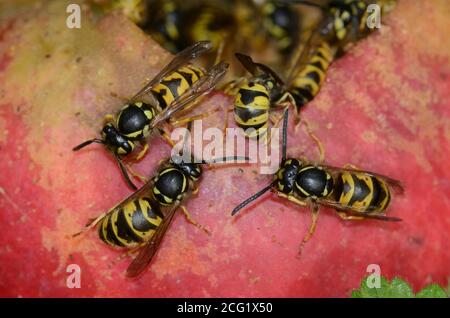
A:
x: 284, y: 140
x: 252, y: 198
x: 124, y: 172
x: 88, y: 142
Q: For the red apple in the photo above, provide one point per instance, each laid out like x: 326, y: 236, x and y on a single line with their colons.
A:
x: 385, y: 107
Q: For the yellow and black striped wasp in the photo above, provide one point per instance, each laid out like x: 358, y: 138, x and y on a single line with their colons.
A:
x: 176, y: 24
x: 355, y: 194
x: 233, y: 25
x: 139, y: 222
x: 345, y: 21
x: 176, y: 86
x: 265, y: 91
x: 281, y: 22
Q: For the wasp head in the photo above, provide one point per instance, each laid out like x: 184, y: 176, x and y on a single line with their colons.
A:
x: 286, y: 175
x: 118, y: 143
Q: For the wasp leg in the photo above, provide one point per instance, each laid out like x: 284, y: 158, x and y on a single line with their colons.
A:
x: 142, y: 153
x: 219, y: 52
x: 232, y: 87
x: 109, y: 118
x: 314, y: 216
x: 276, y: 122
x: 291, y: 198
x: 91, y: 224
x: 347, y: 217
x: 166, y: 137
x: 268, y: 135
x: 351, y: 166
x: 192, y: 221
x: 316, y: 140
x: 136, y: 174
x: 195, y: 191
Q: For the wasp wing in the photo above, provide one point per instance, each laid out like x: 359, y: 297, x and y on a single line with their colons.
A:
x: 356, y: 211
x: 395, y: 184
x: 203, y: 86
x: 303, y: 52
x: 180, y: 59
x: 257, y: 68
x: 149, y: 250
x: 141, y: 192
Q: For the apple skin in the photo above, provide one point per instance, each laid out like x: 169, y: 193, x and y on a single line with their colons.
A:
x: 385, y: 107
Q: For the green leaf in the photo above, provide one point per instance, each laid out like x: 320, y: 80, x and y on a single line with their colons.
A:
x: 432, y: 291
x: 368, y: 288
x: 374, y: 287
x: 356, y: 294
x: 399, y: 289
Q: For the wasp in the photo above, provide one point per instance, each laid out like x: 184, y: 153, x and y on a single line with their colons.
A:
x: 166, y: 24
x: 345, y: 21
x: 176, y: 24
x: 139, y: 222
x: 176, y: 86
x: 265, y: 91
x: 256, y: 97
x: 307, y: 80
x: 281, y: 22
x: 355, y: 194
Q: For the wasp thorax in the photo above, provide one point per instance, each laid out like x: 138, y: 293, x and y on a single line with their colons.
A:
x: 170, y: 185
x: 133, y: 120
x: 286, y: 175
x: 313, y: 181
x: 274, y: 89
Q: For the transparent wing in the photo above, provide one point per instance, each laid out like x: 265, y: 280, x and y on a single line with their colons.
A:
x: 141, y: 192
x: 356, y: 211
x: 304, y: 51
x: 180, y: 59
x: 203, y: 86
x: 257, y: 68
x: 149, y: 250
x: 395, y: 184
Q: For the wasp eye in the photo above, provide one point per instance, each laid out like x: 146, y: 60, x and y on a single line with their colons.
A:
x: 108, y: 128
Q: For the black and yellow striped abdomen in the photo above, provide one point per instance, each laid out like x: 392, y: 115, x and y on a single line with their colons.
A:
x: 362, y: 191
x: 345, y: 14
x: 131, y: 224
x: 251, y: 108
x: 307, y: 82
x: 176, y: 84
